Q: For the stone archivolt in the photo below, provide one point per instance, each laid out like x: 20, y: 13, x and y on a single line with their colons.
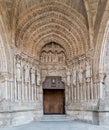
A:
x: 23, y: 5
x: 48, y: 20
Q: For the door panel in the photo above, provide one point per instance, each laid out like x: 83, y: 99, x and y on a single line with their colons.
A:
x: 54, y: 101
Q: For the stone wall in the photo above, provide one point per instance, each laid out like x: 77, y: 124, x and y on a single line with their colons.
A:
x: 21, y: 101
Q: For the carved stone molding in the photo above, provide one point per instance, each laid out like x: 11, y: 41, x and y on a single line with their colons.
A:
x: 62, y: 24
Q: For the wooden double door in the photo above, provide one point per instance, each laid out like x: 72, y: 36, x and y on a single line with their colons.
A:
x: 54, y: 101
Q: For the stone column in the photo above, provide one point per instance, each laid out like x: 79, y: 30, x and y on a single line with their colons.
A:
x: 11, y: 89
x: 38, y: 77
x: 104, y: 83
x: 33, y: 83
x: 94, y: 87
x: 85, y: 90
x: 80, y: 81
x: 68, y: 74
x: 26, y: 76
x: 88, y: 80
x: 23, y: 80
x: 74, y: 83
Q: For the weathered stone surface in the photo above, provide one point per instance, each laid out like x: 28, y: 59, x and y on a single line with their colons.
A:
x: 64, y: 38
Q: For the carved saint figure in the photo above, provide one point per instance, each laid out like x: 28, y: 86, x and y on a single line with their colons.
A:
x: 74, y: 76
x: 33, y: 76
x: 88, y: 69
x: 68, y: 77
x: 26, y: 73
x: 18, y: 71
x: 38, y: 77
x: 80, y: 74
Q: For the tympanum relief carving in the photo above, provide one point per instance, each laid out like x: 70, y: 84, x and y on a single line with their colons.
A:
x: 52, y: 60
x: 52, y: 53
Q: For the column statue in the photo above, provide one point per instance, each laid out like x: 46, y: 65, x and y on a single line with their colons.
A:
x: 26, y: 74
x: 74, y: 77
x: 38, y: 77
x: 18, y: 71
x: 68, y: 77
x: 88, y: 70
x: 33, y: 79
x: 80, y: 74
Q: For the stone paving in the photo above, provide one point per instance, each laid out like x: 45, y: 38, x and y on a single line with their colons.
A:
x: 65, y: 125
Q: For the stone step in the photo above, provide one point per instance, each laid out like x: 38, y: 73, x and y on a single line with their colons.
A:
x: 56, y: 118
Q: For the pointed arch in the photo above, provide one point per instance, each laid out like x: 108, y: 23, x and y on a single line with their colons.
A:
x: 5, y: 50
x: 104, y: 54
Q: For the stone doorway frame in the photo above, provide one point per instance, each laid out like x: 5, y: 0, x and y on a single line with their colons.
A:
x: 53, y: 87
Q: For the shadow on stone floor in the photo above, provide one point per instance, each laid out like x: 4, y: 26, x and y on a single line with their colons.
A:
x: 70, y: 125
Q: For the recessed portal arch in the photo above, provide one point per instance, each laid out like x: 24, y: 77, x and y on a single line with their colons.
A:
x: 53, y: 73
